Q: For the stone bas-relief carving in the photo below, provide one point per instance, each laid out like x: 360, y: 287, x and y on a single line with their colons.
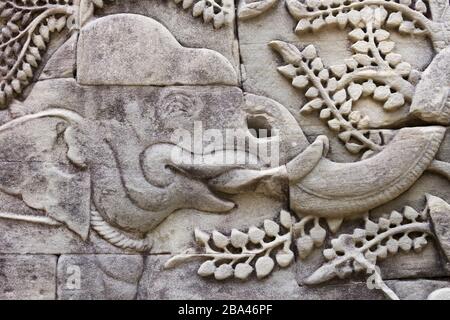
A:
x: 29, y: 25
x: 87, y: 144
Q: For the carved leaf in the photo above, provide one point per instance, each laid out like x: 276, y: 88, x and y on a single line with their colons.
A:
x: 289, y: 52
x: 254, y: 9
x: 361, y: 250
x: 207, y: 269
x: 318, y: 235
x: 223, y: 272
x: 284, y: 259
x: 256, y: 235
x: 272, y: 229
x: 219, y: 13
x: 264, y: 267
x: 243, y: 271
x: 305, y: 246
x: 238, y: 238
x: 285, y: 219
x: 201, y: 237
x: 220, y: 240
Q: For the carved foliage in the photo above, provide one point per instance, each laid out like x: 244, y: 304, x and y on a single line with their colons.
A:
x: 26, y: 29
x: 406, y: 16
x: 361, y: 250
x: 242, y: 253
x: 334, y: 90
x: 257, y: 249
x: 219, y: 12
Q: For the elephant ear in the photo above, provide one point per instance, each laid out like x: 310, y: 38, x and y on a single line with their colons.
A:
x: 35, y: 167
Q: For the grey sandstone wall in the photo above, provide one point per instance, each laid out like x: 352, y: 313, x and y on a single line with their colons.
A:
x: 119, y: 180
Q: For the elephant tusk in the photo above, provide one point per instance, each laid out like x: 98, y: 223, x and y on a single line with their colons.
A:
x: 31, y: 219
x: 69, y: 116
x: 307, y: 160
x: 338, y: 190
x: 237, y: 180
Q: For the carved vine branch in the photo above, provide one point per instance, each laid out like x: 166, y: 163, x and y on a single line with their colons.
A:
x: 361, y: 250
x: 331, y: 92
x: 242, y: 253
x: 409, y: 17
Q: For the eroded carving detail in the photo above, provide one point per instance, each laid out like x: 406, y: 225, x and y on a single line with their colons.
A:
x: 146, y: 49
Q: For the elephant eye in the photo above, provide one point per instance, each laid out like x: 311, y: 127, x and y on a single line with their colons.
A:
x: 178, y: 104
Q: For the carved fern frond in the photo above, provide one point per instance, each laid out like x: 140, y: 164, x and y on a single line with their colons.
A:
x: 330, y: 92
x: 374, y: 71
x: 415, y: 17
x: 256, y: 250
x: 360, y: 251
x: 26, y: 29
x: 242, y: 253
x: 406, y: 16
x: 219, y: 12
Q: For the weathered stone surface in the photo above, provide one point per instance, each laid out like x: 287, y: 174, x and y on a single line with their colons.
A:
x: 147, y: 54
x: 19, y: 237
x: 183, y: 25
x: 157, y: 283
x: 90, y: 277
x: 27, y: 277
x: 432, y: 100
x: 416, y: 289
